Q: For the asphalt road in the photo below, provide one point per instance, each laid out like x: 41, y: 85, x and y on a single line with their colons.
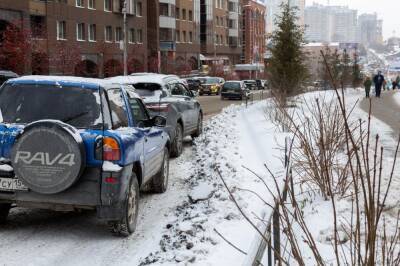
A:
x: 212, y: 105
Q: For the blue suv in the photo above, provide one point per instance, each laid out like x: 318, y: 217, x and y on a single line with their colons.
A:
x: 72, y: 143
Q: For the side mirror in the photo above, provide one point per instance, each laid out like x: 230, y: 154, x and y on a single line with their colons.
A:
x: 159, y: 121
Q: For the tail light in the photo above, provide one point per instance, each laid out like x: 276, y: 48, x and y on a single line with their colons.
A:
x: 159, y: 107
x: 108, y: 149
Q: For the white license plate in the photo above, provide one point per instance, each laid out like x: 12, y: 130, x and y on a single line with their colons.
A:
x: 11, y: 184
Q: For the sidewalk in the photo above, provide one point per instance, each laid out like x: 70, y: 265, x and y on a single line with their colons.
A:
x: 385, y: 109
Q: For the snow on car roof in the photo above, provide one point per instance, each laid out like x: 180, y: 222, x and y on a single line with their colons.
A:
x: 62, y: 80
x: 150, y: 78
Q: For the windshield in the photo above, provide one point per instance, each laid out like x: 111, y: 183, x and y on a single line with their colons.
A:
x: 231, y: 86
x: 148, y: 90
x: 26, y: 103
x: 209, y: 80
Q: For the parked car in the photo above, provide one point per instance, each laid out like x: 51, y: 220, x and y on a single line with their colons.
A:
x: 75, y: 143
x: 250, y: 84
x: 234, y: 90
x: 194, y: 85
x: 211, y: 85
x: 168, y: 96
x: 261, y: 84
x: 6, y: 75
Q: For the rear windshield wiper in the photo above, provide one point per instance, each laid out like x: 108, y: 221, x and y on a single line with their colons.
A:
x: 68, y: 119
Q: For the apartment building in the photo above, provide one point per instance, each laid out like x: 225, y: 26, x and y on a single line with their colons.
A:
x: 370, y: 29
x: 220, y: 31
x: 253, y: 47
x: 79, y: 37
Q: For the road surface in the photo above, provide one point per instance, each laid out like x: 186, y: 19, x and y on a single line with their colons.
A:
x: 213, y: 104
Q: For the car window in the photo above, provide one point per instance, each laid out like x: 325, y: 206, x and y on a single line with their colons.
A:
x: 138, y: 111
x: 26, y: 103
x: 118, y: 111
x: 179, y: 90
x: 150, y: 91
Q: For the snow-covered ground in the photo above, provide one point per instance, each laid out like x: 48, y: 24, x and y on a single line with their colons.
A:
x: 177, y: 227
x: 184, y: 225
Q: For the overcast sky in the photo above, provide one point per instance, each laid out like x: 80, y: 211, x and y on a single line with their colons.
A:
x: 388, y: 10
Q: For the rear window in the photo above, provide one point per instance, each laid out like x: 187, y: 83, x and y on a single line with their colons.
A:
x: 148, y: 90
x: 231, y: 86
x: 26, y: 103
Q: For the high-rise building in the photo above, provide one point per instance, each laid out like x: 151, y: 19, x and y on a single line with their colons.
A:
x: 370, y: 29
x: 274, y: 9
x: 319, y: 23
x: 330, y: 23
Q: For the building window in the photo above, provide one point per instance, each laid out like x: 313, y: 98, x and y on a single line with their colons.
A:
x: 118, y: 34
x: 164, y: 9
x: 80, y: 3
x: 178, y: 36
x: 92, y: 32
x: 183, y: 14
x: 108, y: 5
x: 190, y: 37
x: 190, y: 15
x: 38, y: 27
x: 177, y: 13
x: 139, y: 9
x: 61, y: 30
x: 139, y: 36
x: 132, y: 36
x: 80, y: 31
x: 92, y: 4
x: 108, y: 34
x: 184, y: 36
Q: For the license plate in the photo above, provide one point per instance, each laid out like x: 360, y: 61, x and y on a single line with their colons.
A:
x: 232, y: 91
x: 11, y: 184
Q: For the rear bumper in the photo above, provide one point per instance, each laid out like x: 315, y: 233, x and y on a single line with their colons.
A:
x: 89, y: 192
x: 232, y: 95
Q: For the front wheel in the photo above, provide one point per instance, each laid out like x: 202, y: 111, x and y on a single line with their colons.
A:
x: 4, y: 211
x: 127, y: 225
x: 159, y: 183
x: 177, y: 144
x: 199, y: 128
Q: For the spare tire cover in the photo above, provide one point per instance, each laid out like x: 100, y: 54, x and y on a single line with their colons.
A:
x: 48, y: 157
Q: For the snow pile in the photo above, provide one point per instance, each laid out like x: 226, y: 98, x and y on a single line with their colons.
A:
x: 237, y: 137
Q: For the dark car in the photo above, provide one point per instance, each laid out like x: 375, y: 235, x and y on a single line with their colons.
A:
x: 234, y: 90
x: 168, y: 96
x: 211, y: 85
x: 251, y: 84
x: 74, y: 143
x: 194, y: 85
x: 6, y: 75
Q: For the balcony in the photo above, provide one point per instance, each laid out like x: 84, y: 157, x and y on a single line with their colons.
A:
x: 167, y: 22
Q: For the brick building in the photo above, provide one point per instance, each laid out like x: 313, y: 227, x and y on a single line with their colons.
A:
x: 253, y: 32
x: 220, y: 31
x: 78, y: 37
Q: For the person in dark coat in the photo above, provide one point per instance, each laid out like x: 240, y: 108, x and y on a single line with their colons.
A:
x: 367, y: 86
x: 378, y: 81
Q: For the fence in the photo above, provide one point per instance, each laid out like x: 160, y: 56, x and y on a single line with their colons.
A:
x: 259, y: 244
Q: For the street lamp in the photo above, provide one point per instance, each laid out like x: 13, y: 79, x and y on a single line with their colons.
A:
x: 124, y: 11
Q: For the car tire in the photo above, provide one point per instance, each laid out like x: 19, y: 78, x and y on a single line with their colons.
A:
x: 177, y: 144
x: 159, y: 183
x: 127, y: 225
x: 4, y: 211
x: 199, y: 129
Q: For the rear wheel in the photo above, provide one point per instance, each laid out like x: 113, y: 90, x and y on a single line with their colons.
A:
x: 127, y: 224
x: 177, y: 145
x: 4, y: 211
x: 159, y: 183
x: 199, y: 129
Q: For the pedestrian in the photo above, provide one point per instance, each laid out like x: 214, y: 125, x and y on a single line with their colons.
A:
x: 367, y: 86
x: 397, y: 82
x: 394, y: 84
x: 378, y: 81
